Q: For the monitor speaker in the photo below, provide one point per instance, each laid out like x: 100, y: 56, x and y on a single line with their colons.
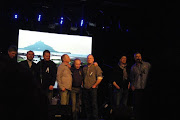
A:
x: 59, y: 112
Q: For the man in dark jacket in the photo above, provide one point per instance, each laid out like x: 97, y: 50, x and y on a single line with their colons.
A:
x: 15, y: 88
x: 121, y: 82
x: 9, y: 78
x: 29, y: 66
x: 47, y: 70
x: 29, y: 69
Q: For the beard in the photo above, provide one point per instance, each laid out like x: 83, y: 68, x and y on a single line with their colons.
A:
x: 139, y: 60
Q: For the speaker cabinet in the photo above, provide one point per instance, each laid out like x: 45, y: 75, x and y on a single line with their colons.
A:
x: 59, y: 112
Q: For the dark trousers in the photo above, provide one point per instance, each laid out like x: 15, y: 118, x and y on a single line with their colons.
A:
x: 139, y: 104
x: 75, y: 98
x: 120, y: 97
x: 41, y: 102
x: 90, y: 102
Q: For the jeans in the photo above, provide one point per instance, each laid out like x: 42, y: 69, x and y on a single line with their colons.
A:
x: 75, y: 98
x: 120, y: 97
x: 90, y: 102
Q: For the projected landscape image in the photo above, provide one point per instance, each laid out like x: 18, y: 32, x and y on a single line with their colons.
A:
x: 58, y: 44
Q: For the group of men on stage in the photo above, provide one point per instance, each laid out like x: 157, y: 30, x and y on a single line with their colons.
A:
x: 72, y: 80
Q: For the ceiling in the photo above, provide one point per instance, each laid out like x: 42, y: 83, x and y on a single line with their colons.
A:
x: 103, y: 13
x: 73, y: 10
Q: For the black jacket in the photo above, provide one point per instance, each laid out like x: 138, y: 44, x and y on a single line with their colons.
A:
x: 33, y: 69
x: 117, y: 76
x: 16, y: 86
x: 48, y: 76
x: 77, y: 75
x: 10, y: 71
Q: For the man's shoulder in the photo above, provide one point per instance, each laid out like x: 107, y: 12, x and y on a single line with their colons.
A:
x: 23, y: 62
x: 61, y: 65
x: 97, y: 67
x: 52, y: 62
x: 40, y: 61
x: 134, y: 65
x: 147, y: 64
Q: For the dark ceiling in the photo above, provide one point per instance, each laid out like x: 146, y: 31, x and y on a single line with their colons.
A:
x: 143, y: 19
x: 116, y: 16
x: 101, y: 12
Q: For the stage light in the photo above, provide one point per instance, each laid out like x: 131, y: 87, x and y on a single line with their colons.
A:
x: 82, y: 22
x: 92, y: 24
x: 61, y: 22
x: 73, y: 28
x: 119, y: 25
x: 127, y: 30
x: 15, y: 16
x: 39, y: 18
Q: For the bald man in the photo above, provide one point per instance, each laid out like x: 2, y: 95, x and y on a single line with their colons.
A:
x: 93, y: 77
x: 64, y: 79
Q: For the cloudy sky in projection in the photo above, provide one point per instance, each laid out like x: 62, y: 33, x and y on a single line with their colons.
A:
x: 59, y: 42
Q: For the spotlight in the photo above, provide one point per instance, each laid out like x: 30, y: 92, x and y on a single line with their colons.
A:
x: 39, y: 18
x: 82, y: 22
x: 15, y: 16
x: 119, y: 25
x: 61, y: 21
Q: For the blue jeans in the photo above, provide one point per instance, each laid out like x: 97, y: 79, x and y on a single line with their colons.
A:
x: 75, y: 98
x: 90, y: 103
x: 120, y: 97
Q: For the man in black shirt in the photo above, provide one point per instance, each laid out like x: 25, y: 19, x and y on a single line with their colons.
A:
x: 121, y: 82
x: 77, y: 75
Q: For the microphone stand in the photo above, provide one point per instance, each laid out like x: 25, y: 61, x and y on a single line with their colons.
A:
x: 40, y: 68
